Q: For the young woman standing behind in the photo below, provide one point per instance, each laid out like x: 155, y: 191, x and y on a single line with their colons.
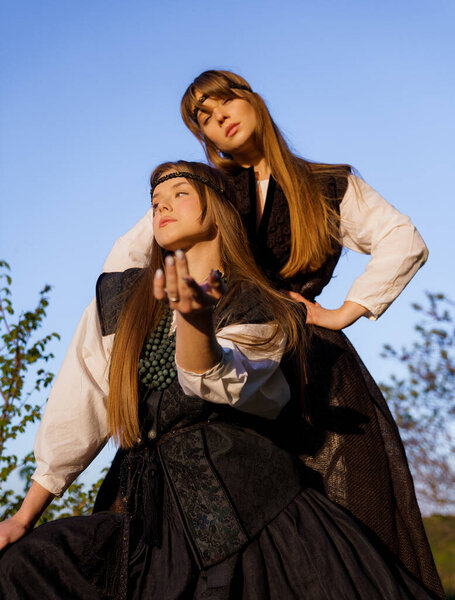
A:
x: 298, y: 215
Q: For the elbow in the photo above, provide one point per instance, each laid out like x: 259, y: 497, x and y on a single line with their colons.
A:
x: 417, y: 249
x: 421, y: 251
x: 425, y: 253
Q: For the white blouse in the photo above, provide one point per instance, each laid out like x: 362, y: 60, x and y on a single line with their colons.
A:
x: 249, y: 378
x: 73, y: 427
x: 368, y: 224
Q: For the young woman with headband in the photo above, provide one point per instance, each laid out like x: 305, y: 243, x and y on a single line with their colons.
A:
x: 207, y: 497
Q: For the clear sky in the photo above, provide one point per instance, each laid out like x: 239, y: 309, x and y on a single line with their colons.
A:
x: 90, y: 94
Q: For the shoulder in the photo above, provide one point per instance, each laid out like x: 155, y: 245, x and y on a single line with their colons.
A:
x: 111, y: 291
x: 245, y: 303
x: 331, y: 178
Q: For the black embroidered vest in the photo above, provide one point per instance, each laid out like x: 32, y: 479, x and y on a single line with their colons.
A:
x: 271, y: 243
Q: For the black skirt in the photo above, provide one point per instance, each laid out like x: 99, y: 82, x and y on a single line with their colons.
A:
x: 313, y: 549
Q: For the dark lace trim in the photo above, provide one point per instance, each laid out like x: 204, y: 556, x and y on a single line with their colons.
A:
x: 111, y: 290
x: 209, y: 514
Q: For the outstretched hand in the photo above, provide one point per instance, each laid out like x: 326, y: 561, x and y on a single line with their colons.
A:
x: 181, y: 292
x: 330, y: 318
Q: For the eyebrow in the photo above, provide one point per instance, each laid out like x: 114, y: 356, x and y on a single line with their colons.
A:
x: 177, y: 184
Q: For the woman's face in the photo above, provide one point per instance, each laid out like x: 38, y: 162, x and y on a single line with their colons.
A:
x: 229, y: 123
x: 177, y: 216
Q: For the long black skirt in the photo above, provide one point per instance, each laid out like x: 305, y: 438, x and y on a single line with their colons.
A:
x: 312, y: 550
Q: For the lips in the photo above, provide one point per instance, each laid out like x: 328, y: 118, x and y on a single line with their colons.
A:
x: 165, y: 221
x: 231, y: 129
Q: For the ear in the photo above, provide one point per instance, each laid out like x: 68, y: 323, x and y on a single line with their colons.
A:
x: 216, y: 229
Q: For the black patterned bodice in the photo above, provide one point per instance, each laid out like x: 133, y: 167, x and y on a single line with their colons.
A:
x: 271, y: 242
x: 205, y: 451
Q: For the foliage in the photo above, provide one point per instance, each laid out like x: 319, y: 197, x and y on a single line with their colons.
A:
x: 23, y: 359
x: 422, y: 401
x: 441, y: 535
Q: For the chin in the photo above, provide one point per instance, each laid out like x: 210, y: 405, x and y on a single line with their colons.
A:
x: 172, y: 245
x: 238, y: 144
x: 166, y: 241
x: 169, y: 246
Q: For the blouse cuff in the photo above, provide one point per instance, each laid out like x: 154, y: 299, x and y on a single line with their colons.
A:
x: 254, y: 386
x: 214, y: 372
x: 51, y: 484
x: 374, y: 310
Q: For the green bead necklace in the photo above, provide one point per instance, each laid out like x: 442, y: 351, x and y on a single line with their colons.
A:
x: 157, y: 368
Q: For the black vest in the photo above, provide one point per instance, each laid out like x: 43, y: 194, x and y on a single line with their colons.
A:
x: 271, y: 243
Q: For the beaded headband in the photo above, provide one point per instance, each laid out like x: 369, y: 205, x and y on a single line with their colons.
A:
x: 233, y: 86
x: 186, y: 175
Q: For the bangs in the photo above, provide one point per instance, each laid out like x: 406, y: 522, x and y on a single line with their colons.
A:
x: 210, y: 84
x: 194, y: 106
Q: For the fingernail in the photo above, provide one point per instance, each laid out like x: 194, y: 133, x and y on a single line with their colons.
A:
x: 170, y: 261
x: 179, y: 254
x: 159, y: 273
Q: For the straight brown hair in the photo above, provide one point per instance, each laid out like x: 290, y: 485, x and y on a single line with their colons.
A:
x: 141, y: 312
x: 314, y: 219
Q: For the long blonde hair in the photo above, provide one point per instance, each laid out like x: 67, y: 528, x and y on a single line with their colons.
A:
x: 314, y: 219
x: 141, y: 312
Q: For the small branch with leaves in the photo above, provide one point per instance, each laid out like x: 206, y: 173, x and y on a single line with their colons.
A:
x: 23, y: 362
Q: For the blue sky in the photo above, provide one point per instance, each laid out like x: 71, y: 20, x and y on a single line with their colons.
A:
x: 89, y: 106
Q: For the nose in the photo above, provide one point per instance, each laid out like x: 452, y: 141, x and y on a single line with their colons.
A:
x: 163, y: 206
x: 219, y: 114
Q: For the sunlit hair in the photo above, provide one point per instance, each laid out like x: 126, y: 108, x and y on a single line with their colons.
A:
x: 141, y: 312
x: 314, y: 219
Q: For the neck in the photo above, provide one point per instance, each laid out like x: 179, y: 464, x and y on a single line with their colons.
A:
x: 202, y: 258
x: 253, y: 158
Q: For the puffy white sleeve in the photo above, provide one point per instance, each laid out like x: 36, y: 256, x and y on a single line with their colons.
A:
x: 370, y: 225
x: 248, y: 378
x: 133, y: 248
x: 73, y: 428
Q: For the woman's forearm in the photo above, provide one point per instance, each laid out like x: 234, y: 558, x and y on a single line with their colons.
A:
x: 34, y: 504
x: 370, y: 225
x: 337, y: 318
x: 197, y: 349
x: 344, y: 316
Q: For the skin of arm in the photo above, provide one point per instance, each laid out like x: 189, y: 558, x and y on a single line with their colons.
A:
x: 193, y: 303
x: 33, y: 506
x: 337, y: 318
